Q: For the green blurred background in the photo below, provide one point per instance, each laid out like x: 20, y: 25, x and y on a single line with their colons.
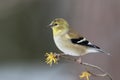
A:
x: 25, y: 37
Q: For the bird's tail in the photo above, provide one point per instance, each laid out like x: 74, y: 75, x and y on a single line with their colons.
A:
x: 103, y: 52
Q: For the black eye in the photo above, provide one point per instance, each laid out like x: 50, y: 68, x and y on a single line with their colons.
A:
x: 55, y: 24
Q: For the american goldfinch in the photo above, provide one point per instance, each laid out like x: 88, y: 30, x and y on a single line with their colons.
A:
x: 69, y: 41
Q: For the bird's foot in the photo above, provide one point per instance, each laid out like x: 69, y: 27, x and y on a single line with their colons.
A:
x: 79, y: 60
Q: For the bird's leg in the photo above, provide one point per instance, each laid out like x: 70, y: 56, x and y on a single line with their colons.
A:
x: 59, y: 55
x: 79, y: 60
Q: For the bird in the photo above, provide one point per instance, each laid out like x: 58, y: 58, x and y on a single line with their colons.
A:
x: 71, y: 42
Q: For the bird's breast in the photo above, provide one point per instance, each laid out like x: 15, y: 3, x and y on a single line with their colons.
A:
x: 67, y: 47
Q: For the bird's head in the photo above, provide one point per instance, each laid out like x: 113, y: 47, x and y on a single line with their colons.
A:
x: 59, y: 26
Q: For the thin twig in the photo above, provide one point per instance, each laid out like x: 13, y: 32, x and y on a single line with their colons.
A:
x: 90, y: 65
x: 98, y: 68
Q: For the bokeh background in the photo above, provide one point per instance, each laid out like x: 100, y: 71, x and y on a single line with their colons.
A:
x: 25, y: 37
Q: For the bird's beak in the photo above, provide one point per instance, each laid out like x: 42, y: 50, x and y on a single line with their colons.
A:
x: 50, y: 25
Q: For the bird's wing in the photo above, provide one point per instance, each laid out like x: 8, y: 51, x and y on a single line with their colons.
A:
x: 80, y: 40
x: 73, y: 34
x: 84, y: 42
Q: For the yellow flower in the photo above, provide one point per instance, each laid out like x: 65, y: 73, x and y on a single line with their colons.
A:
x: 51, y: 58
x: 86, y: 75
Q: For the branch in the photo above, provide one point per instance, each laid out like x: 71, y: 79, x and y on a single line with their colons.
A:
x: 89, y: 65
x: 54, y: 58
